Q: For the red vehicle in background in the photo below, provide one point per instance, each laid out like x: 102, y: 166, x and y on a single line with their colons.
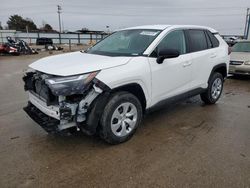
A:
x: 16, y: 48
x: 7, y: 49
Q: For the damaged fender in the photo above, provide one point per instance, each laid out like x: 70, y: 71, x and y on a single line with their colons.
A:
x: 95, y: 112
x: 95, y: 109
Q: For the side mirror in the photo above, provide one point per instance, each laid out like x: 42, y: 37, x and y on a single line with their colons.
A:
x: 165, y: 54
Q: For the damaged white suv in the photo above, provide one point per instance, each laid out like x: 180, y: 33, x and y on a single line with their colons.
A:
x: 109, y: 87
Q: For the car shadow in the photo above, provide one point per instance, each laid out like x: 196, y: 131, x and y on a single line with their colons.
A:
x: 239, y: 77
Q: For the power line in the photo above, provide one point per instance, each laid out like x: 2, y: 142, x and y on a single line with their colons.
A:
x: 151, y: 7
x: 148, y: 15
x: 119, y: 13
x: 132, y: 15
x: 123, y: 6
x: 7, y: 8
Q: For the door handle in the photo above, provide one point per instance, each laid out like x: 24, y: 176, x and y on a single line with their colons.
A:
x: 213, y: 55
x: 186, y: 64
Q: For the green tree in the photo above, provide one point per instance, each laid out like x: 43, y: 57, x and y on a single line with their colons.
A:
x: 19, y: 23
x: 47, y: 27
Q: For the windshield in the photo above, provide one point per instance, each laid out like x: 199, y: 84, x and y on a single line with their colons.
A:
x: 241, y: 47
x: 125, y: 43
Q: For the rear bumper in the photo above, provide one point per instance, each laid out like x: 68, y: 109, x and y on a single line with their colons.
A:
x: 239, y: 69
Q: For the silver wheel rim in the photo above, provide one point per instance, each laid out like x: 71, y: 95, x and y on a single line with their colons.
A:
x: 124, y: 119
x: 216, y: 88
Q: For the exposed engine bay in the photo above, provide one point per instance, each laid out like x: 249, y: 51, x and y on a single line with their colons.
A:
x: 58, y: 103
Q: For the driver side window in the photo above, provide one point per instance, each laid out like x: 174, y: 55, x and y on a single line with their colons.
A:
x: 174, y: 40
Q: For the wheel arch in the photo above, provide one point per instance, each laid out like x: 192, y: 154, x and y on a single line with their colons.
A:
x: 135, y: 89
x: 220, y: 68
x: 98, y: 105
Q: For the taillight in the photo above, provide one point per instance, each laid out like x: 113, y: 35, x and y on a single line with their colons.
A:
x: 229, y: 50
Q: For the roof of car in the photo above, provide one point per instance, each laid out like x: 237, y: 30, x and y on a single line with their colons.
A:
x: 163, y: 27
x: 242, y: 40
x: 157, y: 27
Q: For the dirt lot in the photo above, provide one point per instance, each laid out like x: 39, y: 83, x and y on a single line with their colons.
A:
x: 183, y: 145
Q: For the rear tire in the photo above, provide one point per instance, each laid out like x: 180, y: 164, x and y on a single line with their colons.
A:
x: 121, y: 117
x: 214, y: 90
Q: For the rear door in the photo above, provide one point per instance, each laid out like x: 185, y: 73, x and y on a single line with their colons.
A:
x: 203, y: 57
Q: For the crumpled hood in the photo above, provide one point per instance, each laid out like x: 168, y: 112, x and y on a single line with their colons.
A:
x: 240, y: 56
x: 76, y: 63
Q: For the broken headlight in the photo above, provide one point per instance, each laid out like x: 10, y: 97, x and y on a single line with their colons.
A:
x: 71, y: 84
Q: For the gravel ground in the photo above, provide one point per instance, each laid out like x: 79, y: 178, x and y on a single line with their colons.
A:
x: 183, y: 145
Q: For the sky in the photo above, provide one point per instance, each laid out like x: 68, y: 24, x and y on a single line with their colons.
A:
x: 226, y: 16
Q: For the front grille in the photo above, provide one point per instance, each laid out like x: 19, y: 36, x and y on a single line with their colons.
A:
x: 236, y: 62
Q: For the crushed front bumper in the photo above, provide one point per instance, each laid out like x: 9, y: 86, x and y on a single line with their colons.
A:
x: 48, y: 123
x: 52, y: 110
x: 83, y: 115
x: 50, y: 118
x: 55, y: 113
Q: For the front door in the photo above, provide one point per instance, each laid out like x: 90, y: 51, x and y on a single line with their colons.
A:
x: 173, y: 76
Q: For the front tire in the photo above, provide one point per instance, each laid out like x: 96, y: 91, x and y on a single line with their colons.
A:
x: 121, y: 117
x: 214, y: 90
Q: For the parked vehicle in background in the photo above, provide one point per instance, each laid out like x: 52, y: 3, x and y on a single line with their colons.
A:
x: 2, y: 48
x: 8, y: 49
x: 108, y: 88
x: 240, y: 58
x: 18, y: 47
x: 44, y: 41
x: 53, y: 47
x: 231, y: 40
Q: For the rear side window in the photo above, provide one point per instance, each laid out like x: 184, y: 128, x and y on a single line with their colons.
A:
x: 197, y: 40
x: 213, y: 39
x: 209, y: 42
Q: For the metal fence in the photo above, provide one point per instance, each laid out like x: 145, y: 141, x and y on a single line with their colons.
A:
x: 63, y: 38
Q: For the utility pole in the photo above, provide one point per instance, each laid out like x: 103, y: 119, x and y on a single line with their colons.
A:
x: 246, y: 30
x: 62, y: 24
x: 1, y: 33
x: 59, y: 8
x: 27, y: 31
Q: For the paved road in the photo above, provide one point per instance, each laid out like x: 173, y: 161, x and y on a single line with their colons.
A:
x: 183, y: 145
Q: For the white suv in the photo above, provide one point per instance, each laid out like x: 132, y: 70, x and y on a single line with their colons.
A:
x: 109, y: 87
